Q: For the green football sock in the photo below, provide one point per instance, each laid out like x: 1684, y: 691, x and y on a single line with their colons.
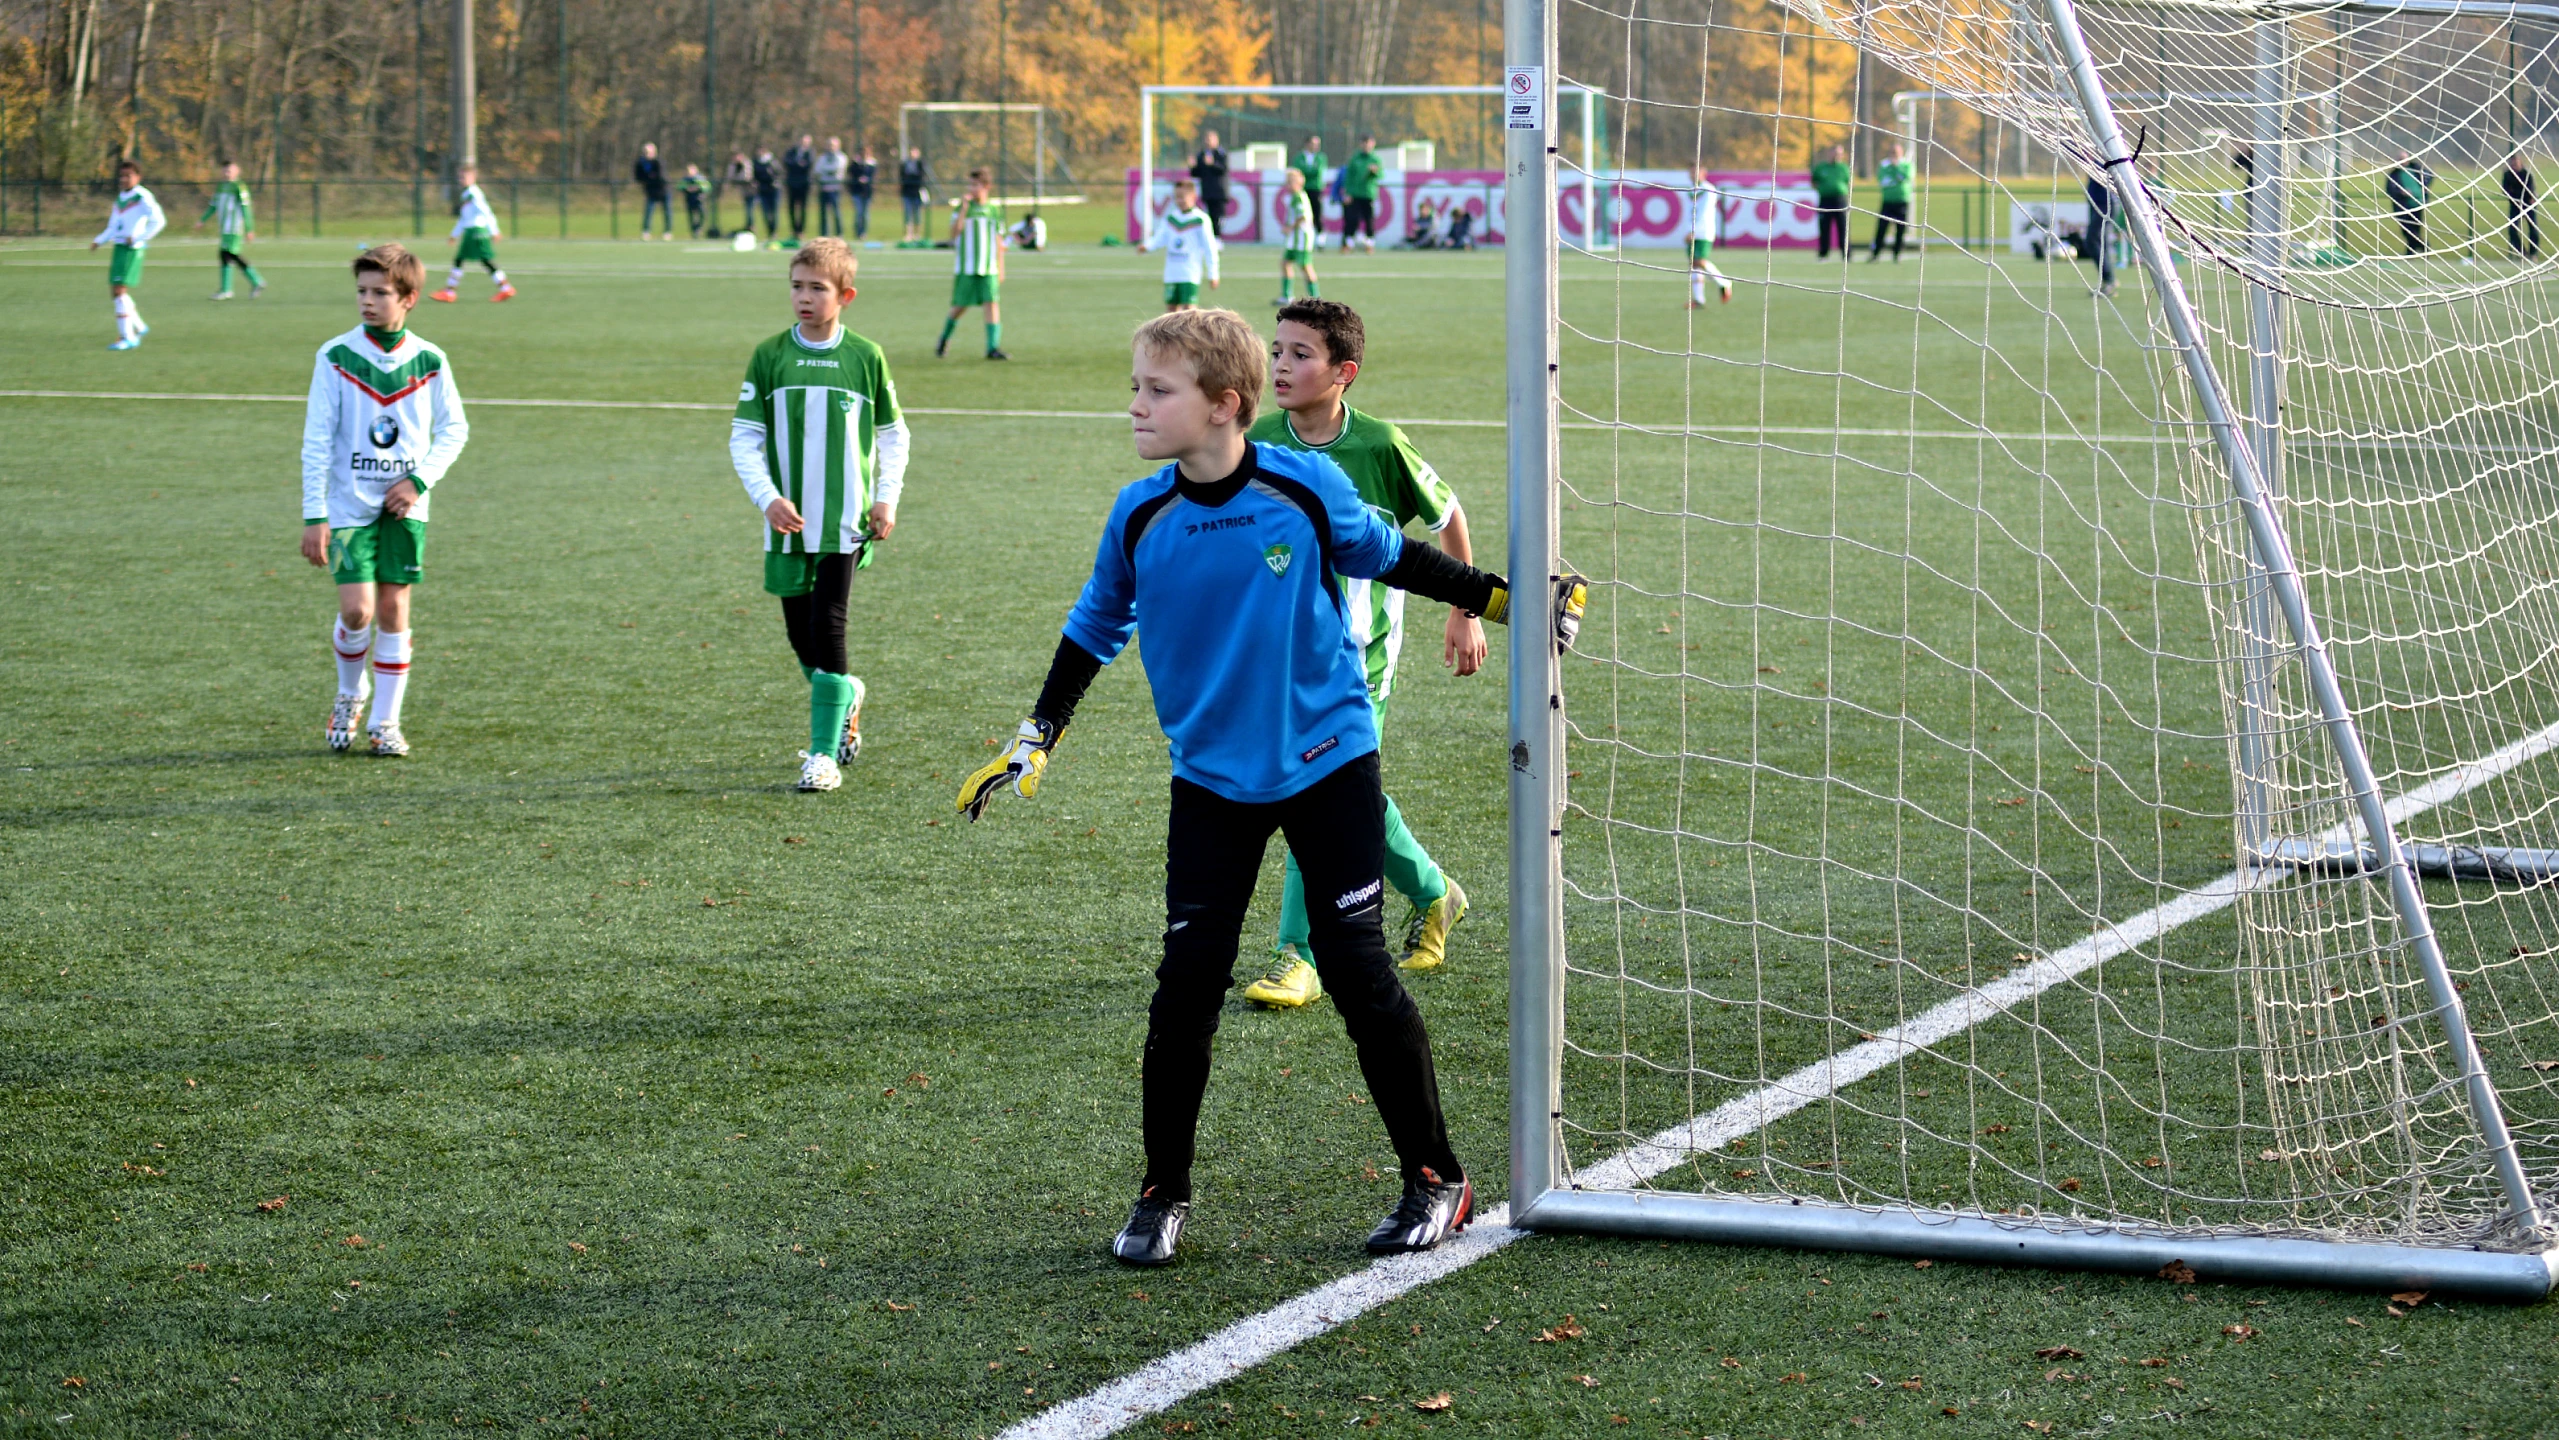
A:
x: 1409, y: 867
x: 1311, y: 292
x: 808, y: 674
x: 994, y: 332
x: 830, y: 697
x: 949, y: 325
x: 1284, y: 284
x: 255, y: 283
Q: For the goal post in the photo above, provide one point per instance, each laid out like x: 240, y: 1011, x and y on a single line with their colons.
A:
x: 2049, y: 775
x: 998, y: 151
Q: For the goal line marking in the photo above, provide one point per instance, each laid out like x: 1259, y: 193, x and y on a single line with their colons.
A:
x: 1167, y: 1381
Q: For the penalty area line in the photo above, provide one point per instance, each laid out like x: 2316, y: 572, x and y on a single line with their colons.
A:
x: 1167, y: 1381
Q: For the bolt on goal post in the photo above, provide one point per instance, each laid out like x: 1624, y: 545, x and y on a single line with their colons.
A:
x: 2339, y: 1122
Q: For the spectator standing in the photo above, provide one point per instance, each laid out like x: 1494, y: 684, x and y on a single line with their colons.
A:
x: 831, y: 167
x: 859, y: 177
x: 1209, y: 168
x: 2523, y: 208
x: 696, y: 190
x: 911, y: 192
x: 740, y: 176
x: 652, y: 178
x: 1892, y: 210
x: 1359, y: 194
x: 2100, y: 237
x: 2406, y: 187
x: 768, y: 194
x: 1830, y: 203
x: 1310, y: 163
x: 799, y: 167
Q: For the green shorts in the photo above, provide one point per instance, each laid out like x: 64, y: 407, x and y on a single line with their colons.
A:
x: 969, y: 290
x: 232, y: 243
x: 390, y: 551
x: 1700, y: 249
x: 1297, y: 257
x: 1181, y: 292
x: 125, y: 267
x: 477, y: 245
x: 791, y: 575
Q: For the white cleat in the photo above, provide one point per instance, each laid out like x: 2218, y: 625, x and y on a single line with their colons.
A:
x: 221, y: 294
x: 389, y: 743
x: 343, y: 721
x: 125, y: 345
x: 818, y: 772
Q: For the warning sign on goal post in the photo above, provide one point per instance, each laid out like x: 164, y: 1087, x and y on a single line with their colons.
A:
x: 1524, y: 97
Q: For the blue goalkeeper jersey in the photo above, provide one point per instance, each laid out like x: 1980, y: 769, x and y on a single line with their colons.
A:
x: 1250, y: 646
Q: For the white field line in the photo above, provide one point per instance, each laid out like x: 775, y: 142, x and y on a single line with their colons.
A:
x: 1816, y: 430
x: 1163, y: 1383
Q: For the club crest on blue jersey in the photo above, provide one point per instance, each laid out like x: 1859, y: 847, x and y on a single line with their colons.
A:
x: 385, y: 432
x: 1277, y: 557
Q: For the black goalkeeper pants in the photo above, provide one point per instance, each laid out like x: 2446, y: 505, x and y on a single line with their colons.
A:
x: 815, y: 621
x: 1213, y: 854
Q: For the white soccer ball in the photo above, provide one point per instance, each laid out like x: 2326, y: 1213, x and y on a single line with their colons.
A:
x: 742, y: 241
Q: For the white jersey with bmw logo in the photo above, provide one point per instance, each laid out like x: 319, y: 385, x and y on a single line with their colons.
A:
x: 378, y: 415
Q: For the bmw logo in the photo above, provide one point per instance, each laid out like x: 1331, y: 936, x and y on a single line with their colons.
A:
x: 385, y: 432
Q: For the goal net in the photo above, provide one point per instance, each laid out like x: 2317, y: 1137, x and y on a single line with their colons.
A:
x: 2059, y: 766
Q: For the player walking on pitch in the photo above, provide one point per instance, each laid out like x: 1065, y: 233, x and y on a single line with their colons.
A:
x: 1230, y: 559
x: 476, y: 230
x: 383, y: 426
x: 1705, y: 227
x: 820, y: 445
x: 1314, y: 358
x: 1190, y: 248
x: 130, y: 225
x: 1297, y: 242
x: 238, y: 226
x: 977, y: 266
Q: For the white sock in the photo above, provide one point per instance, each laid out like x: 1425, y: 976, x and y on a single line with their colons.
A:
x: 1697, y: 286
x: 498, y: 278
x: 127, y: 314
x: 390, y: 676
x: 351, y: 646
x: 453, y: 278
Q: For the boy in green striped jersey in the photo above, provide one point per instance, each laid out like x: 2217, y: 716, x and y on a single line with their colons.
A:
x: 1314, y: 358
x: 977, y: 266
x: 231, y: 207
x: 821, y: 447
x: 1297, y: 242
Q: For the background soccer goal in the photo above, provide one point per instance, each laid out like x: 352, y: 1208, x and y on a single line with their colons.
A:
x: 2048, y: 775
x: 1010, y: 140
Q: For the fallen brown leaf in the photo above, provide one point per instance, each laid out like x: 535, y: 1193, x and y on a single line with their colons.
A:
x: 1589, y: 1382
x: 1436, y: 1403
x: 1950, y: 1410
x: 2058, y: 1373
x: 1912, y: 1383
x: 580, y: 1249
x: 355, y: 1242
x: 2411, y: 1297
x: 2040, y: 1427
x: 2395, y: 1312
x: 2541, y: 1064
x: 1921, y: 1264
x: 2239, y: 1333
x: 896, y: 1306
x: 1569, y: 1330
x: 2358, y: 1324
x: 1798, y: 1378
x: 2153, y: 1363
x: 2060, y: 1352
x: 2177, y: 1272
x: 2070, y: 1185
x: 271, y: 1206
x: 74, y: 1382
x: 2172, y: 1382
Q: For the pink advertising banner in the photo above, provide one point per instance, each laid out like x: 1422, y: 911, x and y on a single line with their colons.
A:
x: 1643, y: 209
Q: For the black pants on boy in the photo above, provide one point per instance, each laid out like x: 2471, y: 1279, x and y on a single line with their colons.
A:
x: 815, y: 621
x: 1893, y: 215
x: 1830, y: 227
x: 1213, y: 847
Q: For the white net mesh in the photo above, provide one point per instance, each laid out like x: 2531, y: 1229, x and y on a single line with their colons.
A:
x: 1929, y: 711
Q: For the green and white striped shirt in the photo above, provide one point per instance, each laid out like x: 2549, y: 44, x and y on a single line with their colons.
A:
x: 818, y: 425
x: 230, y: 209
x: 973, y: 248
x: 1300, y: 234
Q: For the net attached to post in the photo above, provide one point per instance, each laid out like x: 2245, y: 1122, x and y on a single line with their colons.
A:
x: 1951, y: 829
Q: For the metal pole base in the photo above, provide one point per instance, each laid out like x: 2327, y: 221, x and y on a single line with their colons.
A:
x: 2520, y: 1279
x: 2504, y: 863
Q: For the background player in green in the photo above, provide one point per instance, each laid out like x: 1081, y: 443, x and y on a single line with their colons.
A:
x: 1309, y: 165
x: 977, y: 266
x: 820, y: 445
x: 1830, y: 203
x: 130, y: 225
x: 383, y: 426
x: 1359, y: 194
x: 1892, y: 210
x: 475, y: 237
x: 1297, y: 242
x: 238, y: 226
x: 1314, y: 358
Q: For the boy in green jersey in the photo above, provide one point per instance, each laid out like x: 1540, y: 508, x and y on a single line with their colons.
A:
x: 1314, y: 358
x: 1297, y: 242
x: 1830, y: 203
x: 475, y: 237
x: 1359, y: 195
x: 130, y: 225
x: 1892, y: 181
x: 231, y: 207
x: 820, y: 445
x: 977, y: 266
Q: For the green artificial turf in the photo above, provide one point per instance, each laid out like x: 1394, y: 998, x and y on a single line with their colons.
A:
x: 665, y: 1100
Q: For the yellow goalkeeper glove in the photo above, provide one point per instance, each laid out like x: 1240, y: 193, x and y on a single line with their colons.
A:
x: 1020, y: 765
x: 1572, y: 599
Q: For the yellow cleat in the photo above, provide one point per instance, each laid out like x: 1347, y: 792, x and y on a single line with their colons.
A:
x: 1426, y: 934
x: 1289, y: 983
